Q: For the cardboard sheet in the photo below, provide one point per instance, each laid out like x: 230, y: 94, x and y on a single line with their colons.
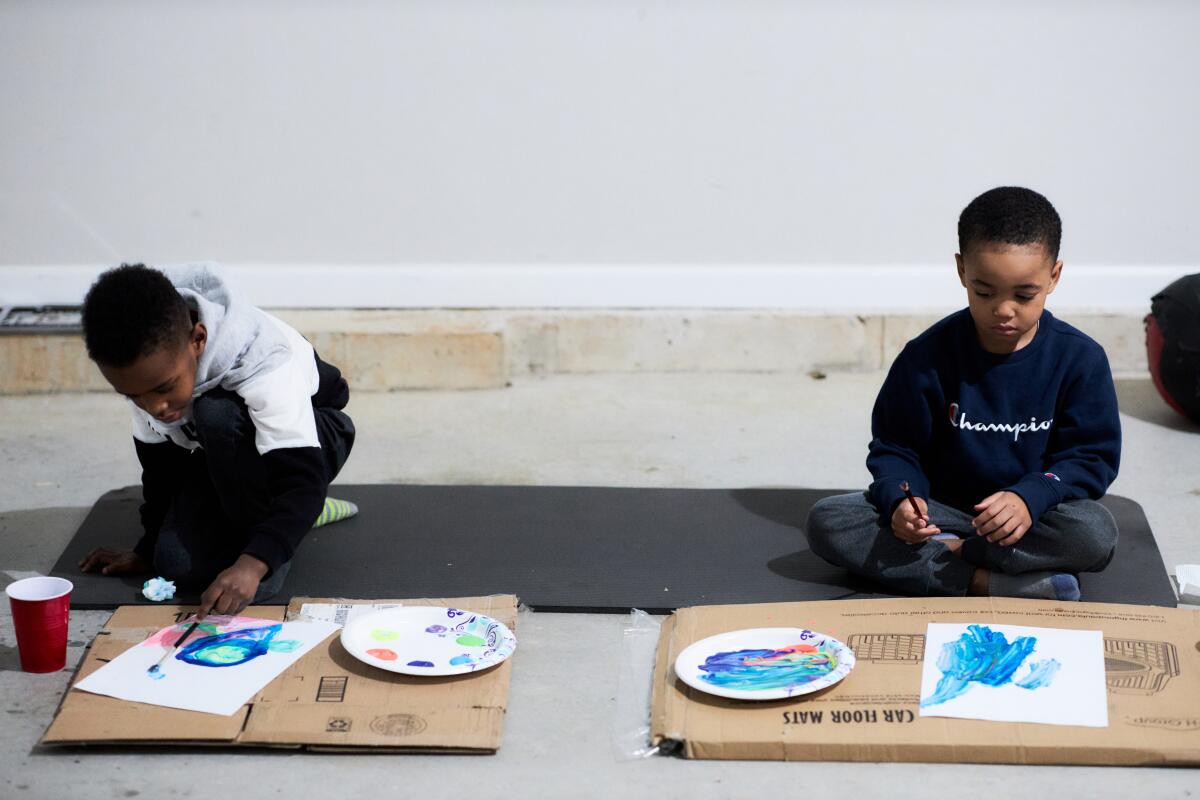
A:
x: 1152, y: 679
x: 327, y: 700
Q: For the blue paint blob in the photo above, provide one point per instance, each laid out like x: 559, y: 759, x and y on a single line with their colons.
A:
x: 420, y: 663
x: 231, y: 648
x: 984, y: 656
x: 1041, y: 673
x: 458, y: 661
x: 155, y: 673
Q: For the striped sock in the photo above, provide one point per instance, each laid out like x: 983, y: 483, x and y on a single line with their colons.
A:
x: 335, y: 511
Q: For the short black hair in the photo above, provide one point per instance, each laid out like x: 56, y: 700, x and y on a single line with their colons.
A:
x: 1010, y: 215
x: 130, y: 312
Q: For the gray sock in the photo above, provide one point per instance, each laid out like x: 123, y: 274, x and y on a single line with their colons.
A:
x: 1044, y: 585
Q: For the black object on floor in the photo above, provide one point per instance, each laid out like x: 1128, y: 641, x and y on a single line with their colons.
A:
x: 577, y: 549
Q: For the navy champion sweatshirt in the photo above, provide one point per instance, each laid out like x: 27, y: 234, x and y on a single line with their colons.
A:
x: 959, y: 423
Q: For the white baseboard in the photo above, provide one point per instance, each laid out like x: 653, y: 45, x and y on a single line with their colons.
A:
x: 830, y: 288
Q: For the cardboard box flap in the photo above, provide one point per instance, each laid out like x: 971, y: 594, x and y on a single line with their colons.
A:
x: 1152, y: 664
x: 666, y: 734
x: 86, y: 718
x: 111, y: 721
x: 417, y: 728
x: 330, y: 698
x: 502, y: 607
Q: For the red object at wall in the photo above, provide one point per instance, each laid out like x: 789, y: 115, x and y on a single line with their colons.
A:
x: 1173, y: 345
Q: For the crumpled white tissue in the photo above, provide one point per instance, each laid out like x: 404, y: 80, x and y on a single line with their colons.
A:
x: 158, y: 589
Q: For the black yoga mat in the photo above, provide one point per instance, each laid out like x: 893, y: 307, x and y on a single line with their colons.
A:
x: 577, y: 549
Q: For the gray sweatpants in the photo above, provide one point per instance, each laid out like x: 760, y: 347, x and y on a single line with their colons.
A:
x: 1075, y: 536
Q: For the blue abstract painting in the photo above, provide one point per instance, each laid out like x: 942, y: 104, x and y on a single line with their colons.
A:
x: 984, y: 656
x: 1014, y: 673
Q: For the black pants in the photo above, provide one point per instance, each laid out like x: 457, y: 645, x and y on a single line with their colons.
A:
x: 224, y: 491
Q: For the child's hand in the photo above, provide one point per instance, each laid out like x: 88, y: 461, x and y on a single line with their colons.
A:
x: 114, y: 562
x: 234, y: 588
x: 1003, y: 518
x: 910, y: 527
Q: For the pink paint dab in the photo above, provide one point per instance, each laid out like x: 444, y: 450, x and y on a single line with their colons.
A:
x: 383, y: 654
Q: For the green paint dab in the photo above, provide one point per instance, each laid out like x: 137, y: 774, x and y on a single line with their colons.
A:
x: 470, y: 640
x: 384, y: 635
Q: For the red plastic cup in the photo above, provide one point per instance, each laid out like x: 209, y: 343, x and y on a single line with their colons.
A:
x: 40, y: 607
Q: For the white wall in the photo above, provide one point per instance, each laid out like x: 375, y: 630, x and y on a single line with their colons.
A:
x: 565, y: 138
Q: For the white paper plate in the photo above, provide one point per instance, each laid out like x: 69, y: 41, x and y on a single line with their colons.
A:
x: 764, y: 663
x: 418, y: 640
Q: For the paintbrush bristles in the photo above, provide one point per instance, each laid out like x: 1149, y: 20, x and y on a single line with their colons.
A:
x: 904, y: 486
x: 158, y: 665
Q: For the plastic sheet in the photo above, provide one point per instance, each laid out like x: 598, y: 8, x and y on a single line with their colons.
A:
x: 631, y: 720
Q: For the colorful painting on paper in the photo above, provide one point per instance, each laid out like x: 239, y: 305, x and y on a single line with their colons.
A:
x: 1014, y: 673
x: 219, y: 668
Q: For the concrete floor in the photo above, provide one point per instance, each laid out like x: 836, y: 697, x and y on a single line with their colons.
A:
x: 59, y: 453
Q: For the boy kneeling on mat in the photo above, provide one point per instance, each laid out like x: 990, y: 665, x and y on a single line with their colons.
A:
x: 1002, y: 419
x: 237, y: 423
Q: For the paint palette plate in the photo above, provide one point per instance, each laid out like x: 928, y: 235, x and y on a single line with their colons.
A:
x: 423, y: 640
x: 764, y: 663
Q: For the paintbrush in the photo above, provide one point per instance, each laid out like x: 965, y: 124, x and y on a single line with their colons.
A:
x: 157, y: 667
x: 917, y: 510
x: 912, y: 500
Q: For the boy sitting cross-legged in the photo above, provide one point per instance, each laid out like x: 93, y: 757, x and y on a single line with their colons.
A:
x: 1002, y: 419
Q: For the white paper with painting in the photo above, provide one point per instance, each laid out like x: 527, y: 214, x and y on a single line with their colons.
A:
x: 217, y: 670
x: 1014, y: 673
